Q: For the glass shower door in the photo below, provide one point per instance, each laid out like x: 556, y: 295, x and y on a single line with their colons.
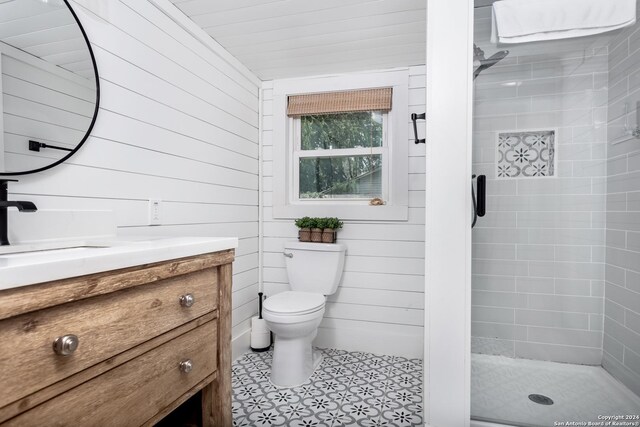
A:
x: 556, y: 263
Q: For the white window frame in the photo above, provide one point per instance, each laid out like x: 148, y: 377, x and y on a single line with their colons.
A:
x: 297, y: 153
x: 286, y: 140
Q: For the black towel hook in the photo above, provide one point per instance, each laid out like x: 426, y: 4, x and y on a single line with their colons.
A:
x: 415, y: 117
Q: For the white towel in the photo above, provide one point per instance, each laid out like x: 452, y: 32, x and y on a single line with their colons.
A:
x: 521, y: 21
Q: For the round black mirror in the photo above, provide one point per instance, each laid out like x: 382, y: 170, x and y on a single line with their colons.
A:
x: 49, y: 85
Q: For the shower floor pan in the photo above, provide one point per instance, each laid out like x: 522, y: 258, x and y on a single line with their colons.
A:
x: 500, y: 389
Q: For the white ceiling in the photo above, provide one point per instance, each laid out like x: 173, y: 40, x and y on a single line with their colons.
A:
x: 47, y: 31
x: 289, y: 38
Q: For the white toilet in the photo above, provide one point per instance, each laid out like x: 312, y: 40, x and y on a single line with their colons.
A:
x: 314, y: 270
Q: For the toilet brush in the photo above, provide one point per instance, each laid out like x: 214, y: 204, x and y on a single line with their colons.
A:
x: 260, y: 334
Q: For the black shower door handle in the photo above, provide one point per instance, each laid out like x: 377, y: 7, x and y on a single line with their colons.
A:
x: 482, y: 195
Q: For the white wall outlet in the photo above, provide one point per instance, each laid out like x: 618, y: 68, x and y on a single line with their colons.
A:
x: 155, y: 212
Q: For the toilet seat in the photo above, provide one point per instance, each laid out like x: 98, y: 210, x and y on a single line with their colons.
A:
x: 293, y: 303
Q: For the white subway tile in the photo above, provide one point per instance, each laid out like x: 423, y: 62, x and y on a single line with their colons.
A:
x: 623, y: 297
x: 498, y: 330
x: 573, y: 253
x: 535, y: 285
x: 493, y: 283
x: 535, y: 252
x: 556, y: 319
x: 565, y: 336
x: 558, y: 353
x: 493, y: 251
x: 622, y: 334
x: 566, y: 303
x: 556, y: 85
x: 573, y: 287
x: 596, y: 322
x: 499, y: 299
x: 492, y: 314
x: 492, y: 346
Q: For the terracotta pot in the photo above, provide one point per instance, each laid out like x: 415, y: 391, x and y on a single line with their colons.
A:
x: 316, y: 235
x: 329, y: 235
x: 304, y: 235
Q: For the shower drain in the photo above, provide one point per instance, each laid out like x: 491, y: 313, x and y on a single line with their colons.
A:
x: 540, y: 399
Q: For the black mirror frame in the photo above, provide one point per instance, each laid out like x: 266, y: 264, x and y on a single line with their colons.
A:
x: 95, y: 111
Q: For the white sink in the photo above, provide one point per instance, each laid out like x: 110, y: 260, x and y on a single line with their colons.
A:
x: 57, y: 245
x: 28, y: 264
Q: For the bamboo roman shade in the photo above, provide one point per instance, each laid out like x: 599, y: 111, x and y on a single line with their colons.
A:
x: 340, y: 102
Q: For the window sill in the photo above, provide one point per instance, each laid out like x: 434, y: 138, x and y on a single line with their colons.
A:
x: 344, y: 212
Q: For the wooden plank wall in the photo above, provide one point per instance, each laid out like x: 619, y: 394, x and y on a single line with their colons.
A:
x: 379, y: 304
x: 43, y: 102
x: 178, y: 123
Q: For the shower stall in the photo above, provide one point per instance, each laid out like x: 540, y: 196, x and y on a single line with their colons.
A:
x: 555, y: 324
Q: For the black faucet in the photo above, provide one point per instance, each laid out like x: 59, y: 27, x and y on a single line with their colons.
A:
x: 4, y: 204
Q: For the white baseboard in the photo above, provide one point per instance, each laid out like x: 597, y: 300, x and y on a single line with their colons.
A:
x: 240, y: 344
x: 410, y: 346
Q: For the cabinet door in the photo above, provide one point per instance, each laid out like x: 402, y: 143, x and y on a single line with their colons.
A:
x: 106, y: 325
x: 134, y: 392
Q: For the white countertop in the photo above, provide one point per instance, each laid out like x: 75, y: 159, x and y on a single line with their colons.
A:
x: 29, y: 268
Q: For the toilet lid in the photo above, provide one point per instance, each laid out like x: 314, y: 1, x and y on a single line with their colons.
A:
x: 292, y: 302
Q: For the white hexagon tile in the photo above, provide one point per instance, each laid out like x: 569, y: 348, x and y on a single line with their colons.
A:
x: 500, y: 389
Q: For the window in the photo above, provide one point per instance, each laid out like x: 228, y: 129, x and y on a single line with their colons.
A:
x: 337, y: 144
x: 340, y: 156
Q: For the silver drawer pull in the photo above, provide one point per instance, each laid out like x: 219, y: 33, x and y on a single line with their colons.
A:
x: 288, y: 254
x: 66, y: 345
x: 186, y: 366
x: 187, y: 300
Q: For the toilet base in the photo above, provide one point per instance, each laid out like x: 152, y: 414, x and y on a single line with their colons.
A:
x: 294, y: 361
x: 317, y: 359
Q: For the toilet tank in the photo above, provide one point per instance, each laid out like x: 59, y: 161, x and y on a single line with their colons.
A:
x: 314, y: 267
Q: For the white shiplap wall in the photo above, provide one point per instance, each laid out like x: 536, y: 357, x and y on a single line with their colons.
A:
x: 379, y: 304
x: 178, y: 123
x: 43, y: 102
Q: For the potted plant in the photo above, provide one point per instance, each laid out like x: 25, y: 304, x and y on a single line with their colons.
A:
x: 304, y: 224
x: 330, y: 231
x: 316, y: 229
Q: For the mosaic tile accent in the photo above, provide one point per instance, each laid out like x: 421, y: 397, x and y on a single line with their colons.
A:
x: 348, y: 388
x: 526, y: 154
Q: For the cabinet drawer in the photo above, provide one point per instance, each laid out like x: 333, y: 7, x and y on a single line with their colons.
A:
x: 105, y: 326
x: 134, y: 392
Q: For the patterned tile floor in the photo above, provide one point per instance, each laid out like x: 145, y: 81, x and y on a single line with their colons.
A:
x: 347, y: 389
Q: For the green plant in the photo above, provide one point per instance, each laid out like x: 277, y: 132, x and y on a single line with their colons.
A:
x: 333, y: 223
x: 321, y: 222
x: 305, y: 222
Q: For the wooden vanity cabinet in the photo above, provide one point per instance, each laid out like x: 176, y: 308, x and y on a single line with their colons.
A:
x: 119, y: 348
